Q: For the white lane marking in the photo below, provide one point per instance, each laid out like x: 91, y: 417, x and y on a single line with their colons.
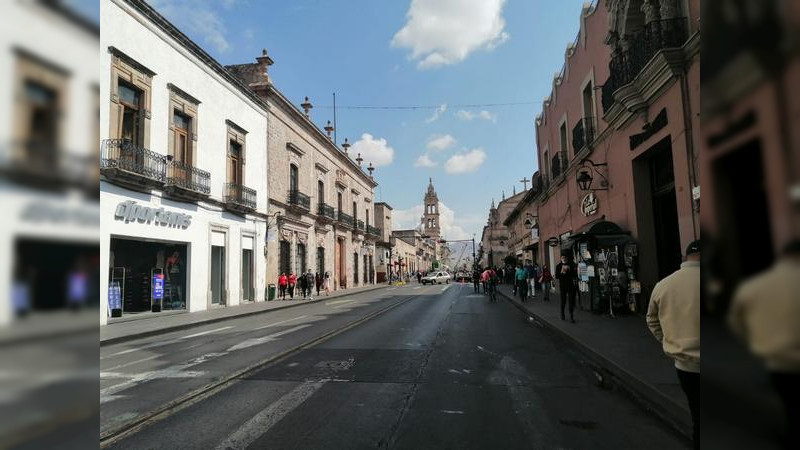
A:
x: 445, y: 288
x: 417, y: 287
x: 177, y: 371
x: 268, y: 417
x: 279, y: 323
x: 449, y: 411
x: 454, y: 371
x: 391, y: 289
x: 263, y: 340
x: 336, y: 302
x: 202, y: 333
x: 132, y: 363
x: 261, y: 423
x: 162, y: 343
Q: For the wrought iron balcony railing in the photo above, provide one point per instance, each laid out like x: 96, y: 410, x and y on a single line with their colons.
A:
x: 557, y: 164
x: 123, y: 155
x: 345, y: 219
x: 374, y: 231
x: 240, y: 196
x: 625, y: 66
x: 298, y: 199
x: 326, y: 211
x: 187, y: 177
x: 358, y: 224
x: 582, y: 134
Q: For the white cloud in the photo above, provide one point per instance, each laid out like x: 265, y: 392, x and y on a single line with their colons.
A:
x: 440, y: 142
x: 197, y: 17
x: 404, y: 219
x: 438, y: 112
x: 375, y: 151
x: 465, y: 162
x: 441, y: 32
x: 482, y: 114
x: 424, y: 161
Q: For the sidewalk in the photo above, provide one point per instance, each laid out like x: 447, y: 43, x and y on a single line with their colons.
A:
x: 621, y: 347
x: 125, y: 330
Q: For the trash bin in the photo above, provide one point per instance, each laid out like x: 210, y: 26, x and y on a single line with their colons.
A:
x: 271, y: 292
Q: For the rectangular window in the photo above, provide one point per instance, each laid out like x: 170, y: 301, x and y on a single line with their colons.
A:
x: 248, y: 291
x: 355, y: 269
x: 320, y: 192
x: 217, y: 275
x: 321, y: 260
x: 294, y: 181
x: 181, y: 125
x: 301, y: 259
x: 563, y: 138
x: 235, y: 169
x: 130, y: 100
x: 285, y: 257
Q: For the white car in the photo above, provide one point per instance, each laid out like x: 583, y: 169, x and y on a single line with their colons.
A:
x: 436, y: 278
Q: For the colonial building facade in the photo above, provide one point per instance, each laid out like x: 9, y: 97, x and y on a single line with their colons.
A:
x: 617, y: 145
x: 320, y: 196
x: 495, y: 237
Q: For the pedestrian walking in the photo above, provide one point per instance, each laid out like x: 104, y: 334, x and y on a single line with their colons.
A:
x: 292, y: 284
x: 309, y: 276
x: 283, y: 281
x: 545, y: 280
x: 476, y: 279
x: 303, y: 285
x: 326, y: 283
x: 567, y: 275
x: 537, y: 274
x: 674, y: 319
x: 764, y: 314
x: 318, y: 282
x: 521, y: 282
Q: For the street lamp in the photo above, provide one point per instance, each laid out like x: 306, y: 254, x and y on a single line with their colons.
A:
x: 585, y: 178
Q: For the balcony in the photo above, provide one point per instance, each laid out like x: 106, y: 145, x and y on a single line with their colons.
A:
x: 558, y: 164
x: 358, y: 225
x: 239, y: 198
x: 45, y: 166
x: 325, y: 213
x: 582, y: 134
x: 625, y: 66
x: 299, y: 200
x: 373, y: 231
x: 345, y: 219
x: 186, y: 182
x: 129, y: 165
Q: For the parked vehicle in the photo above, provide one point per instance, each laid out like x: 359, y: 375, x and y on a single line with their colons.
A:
x: 436, y: 278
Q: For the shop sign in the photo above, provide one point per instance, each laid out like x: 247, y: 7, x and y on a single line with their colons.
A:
x: 535, y: 234
x: 583, y: 271
x: 114, y: 296
x: 129, y: 211
x: 589, y: 204
x: 553, y: 242
x: 41, y: 211
x: 158, y: 286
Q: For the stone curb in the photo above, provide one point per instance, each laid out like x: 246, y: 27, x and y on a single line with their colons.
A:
x: 642, y: 392
x: 184, y: 326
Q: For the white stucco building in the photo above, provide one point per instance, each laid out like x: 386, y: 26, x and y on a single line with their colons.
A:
x: 183, y: 189
x: 48, y: 164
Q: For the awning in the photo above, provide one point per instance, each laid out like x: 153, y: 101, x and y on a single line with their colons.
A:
x: 530, y: 247
x: 602, y: 233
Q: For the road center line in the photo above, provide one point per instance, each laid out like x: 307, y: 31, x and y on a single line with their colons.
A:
x: 265, y: 339
x: 202, y: 333
x: 336, y: 302
x: 279, y: 323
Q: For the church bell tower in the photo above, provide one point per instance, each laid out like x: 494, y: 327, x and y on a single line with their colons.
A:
x: 430, y: 219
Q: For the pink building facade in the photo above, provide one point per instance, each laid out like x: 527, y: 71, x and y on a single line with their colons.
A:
x: 617, y: 148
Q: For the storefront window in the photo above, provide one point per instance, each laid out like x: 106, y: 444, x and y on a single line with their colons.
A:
x: 149, y: 276
x: 217, y: 275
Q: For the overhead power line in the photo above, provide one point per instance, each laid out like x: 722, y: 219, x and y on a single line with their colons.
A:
x: 412, y: 107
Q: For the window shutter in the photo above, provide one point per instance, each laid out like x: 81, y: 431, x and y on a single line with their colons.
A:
x: 117, y: 112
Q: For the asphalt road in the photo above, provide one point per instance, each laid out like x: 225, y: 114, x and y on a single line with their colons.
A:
x: 441, y: 368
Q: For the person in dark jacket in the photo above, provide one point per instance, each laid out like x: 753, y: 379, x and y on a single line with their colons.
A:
x: 567, y: 276
x: 303, y: 281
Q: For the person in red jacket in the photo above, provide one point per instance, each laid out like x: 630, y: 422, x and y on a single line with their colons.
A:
x: 283, y: 281
x: 292, y: 283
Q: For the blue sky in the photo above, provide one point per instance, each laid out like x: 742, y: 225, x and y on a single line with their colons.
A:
x: 449, y: 52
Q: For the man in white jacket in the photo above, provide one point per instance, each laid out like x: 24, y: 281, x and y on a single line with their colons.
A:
x: 674, y: 319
